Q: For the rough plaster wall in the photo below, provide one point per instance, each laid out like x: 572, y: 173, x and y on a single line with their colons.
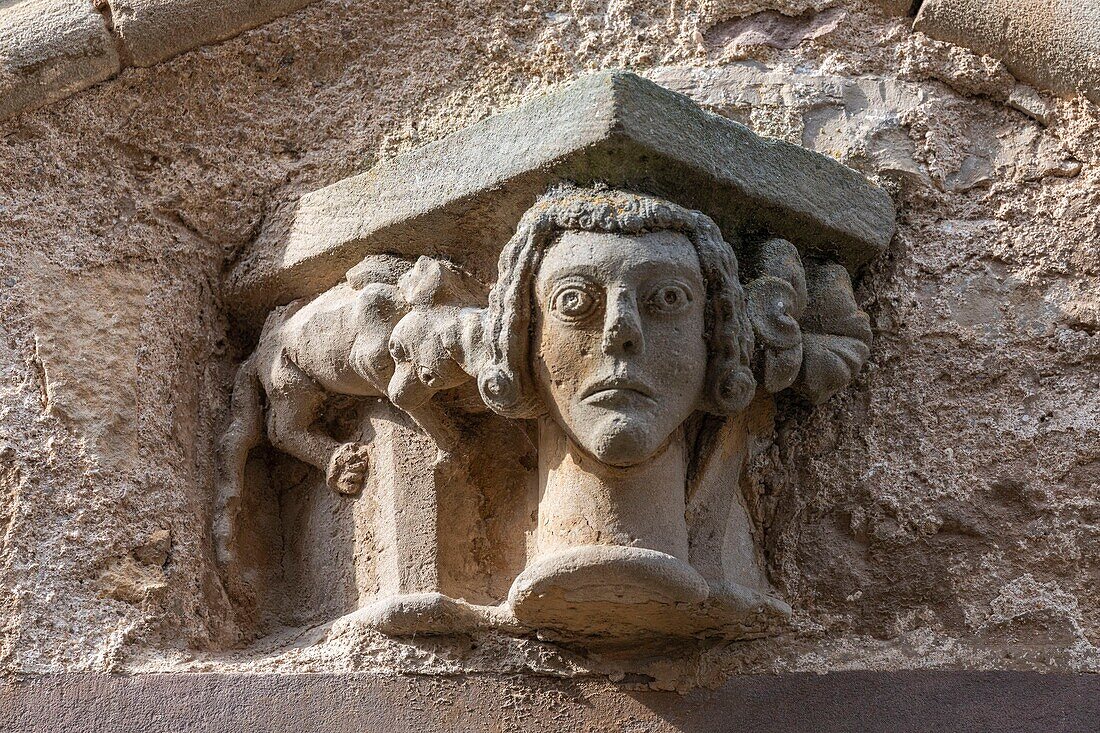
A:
x: 942, y: 511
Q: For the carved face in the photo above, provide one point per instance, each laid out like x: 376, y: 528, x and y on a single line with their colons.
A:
x: 423, y: 364
x: 621, y: 357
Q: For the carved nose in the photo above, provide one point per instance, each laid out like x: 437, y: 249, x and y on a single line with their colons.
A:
x: 622, y: 334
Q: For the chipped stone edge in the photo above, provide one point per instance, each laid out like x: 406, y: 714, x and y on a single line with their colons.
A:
x: 134, y: 33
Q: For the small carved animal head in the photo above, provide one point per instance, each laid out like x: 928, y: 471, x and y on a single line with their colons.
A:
x: 425, y: 362
x: 425, y: 343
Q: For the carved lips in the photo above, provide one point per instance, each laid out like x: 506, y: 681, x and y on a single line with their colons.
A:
x: 616, y: 391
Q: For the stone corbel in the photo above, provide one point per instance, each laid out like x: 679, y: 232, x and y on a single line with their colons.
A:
x: 608, y: 262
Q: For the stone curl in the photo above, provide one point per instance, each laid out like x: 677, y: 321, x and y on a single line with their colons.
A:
x: 506, y: 382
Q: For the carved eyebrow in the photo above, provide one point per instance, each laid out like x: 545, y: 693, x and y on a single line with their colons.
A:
x: 653, y: 270
x: 678, y: 265
x: 582, y: 270
x: 580, y: 273
x: 671, y: 279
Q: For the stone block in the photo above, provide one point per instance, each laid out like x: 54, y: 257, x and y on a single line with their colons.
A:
x: 155, y: 30
x: 463, y: 195
x: 1051, y: 44
x: 50, y: 49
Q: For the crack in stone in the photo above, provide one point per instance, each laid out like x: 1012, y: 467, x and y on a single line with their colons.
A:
x: 103, y: 7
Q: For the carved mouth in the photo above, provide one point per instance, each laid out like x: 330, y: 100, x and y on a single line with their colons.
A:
x: 616, y: 389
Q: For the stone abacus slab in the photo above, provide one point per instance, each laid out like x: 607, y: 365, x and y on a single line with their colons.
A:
x: 461, y: 196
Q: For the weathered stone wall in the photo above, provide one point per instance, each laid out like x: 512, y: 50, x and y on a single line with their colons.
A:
x: 1052, y: 43
x: 943, y: 511
x: 50, y: 49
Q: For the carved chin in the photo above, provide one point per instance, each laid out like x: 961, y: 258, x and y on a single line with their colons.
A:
x: 622, y: 442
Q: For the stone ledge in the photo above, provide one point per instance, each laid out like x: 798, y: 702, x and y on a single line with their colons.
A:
x: 51, y: 49
x: 462, y: 195
x: 898, y: 702
x: 1054, y: 45
x: 153, y: 31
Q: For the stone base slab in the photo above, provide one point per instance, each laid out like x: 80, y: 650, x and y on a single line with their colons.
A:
x: 1006, y: 702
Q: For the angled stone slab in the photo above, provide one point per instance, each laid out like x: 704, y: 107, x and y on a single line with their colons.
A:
x: 462, y: 196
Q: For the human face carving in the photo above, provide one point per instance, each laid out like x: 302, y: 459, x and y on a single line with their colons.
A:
x: 621, y: 357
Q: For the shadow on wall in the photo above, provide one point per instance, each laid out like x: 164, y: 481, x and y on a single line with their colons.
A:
x: 895, y: 702
x: 310, y: 555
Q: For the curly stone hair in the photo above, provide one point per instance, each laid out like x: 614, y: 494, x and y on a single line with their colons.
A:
x: 506, y: 382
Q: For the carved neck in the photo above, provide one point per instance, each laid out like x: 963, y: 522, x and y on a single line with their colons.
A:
x: 465, y: 339
x: 584, y: 502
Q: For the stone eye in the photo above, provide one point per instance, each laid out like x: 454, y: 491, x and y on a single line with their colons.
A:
x: 426, y: 376
x: 669, y: 298
x: 573, y: 303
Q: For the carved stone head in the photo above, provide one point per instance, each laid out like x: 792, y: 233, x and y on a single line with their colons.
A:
x: 619, y: 315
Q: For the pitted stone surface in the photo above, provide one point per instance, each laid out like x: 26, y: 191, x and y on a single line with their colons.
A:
x: 941, y: 512
x: 50, y: 49
x: 897, y: 7
x: 155, y: 30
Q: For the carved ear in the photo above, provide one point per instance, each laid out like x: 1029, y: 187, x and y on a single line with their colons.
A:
x: 775, y: 301
x: 438, y: 282
x: 422, y: 284
x: 384, y: 269
x: 772, y: 311
x: 779, y: 258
